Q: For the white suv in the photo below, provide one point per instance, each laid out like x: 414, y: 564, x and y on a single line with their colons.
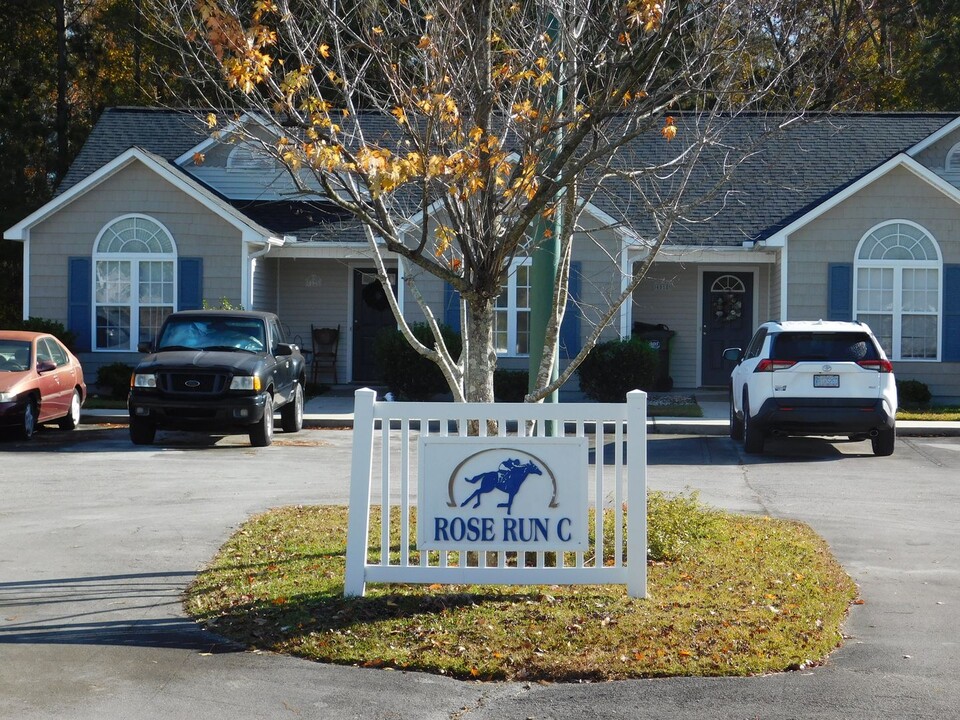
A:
x: 812, y: 378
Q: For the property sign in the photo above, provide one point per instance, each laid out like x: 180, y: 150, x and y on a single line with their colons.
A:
x: 502, y: 493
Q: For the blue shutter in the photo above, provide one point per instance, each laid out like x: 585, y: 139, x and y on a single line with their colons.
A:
x: 840, y: 292
x: 570, y: 327
x: 190, y: 283
x: 79, y: 301
x: 950, y: 351
x: 451, y: 307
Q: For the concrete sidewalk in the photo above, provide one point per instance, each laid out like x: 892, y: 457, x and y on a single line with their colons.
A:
x: 335, y: 410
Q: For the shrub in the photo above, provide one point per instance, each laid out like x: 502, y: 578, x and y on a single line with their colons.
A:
x: 52, y: 327
x: 115, y: 378
x: 406, y: 373
x: 676, y: 524
x: 614, y: 368
x: 913, y: 393
x: 510, y: 385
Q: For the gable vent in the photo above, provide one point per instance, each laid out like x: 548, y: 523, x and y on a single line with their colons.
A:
x: 952, y: 164
x: 245, y: 157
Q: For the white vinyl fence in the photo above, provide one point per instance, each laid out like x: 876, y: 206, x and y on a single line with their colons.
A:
x: 388, y: 438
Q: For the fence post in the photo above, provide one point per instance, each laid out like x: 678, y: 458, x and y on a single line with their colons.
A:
x: 637, y: 494
x: 358, y: 521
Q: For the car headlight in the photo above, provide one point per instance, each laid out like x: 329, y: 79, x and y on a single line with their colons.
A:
x: 245, y: 382
x: 144, y: 380
x: 7, y: 396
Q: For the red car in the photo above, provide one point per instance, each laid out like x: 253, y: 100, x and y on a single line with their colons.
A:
x: 40, y: 381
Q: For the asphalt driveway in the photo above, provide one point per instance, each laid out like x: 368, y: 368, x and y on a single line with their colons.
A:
x: 98, y: 540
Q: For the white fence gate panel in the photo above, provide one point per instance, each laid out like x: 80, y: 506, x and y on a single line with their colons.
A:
x: 391, y: 432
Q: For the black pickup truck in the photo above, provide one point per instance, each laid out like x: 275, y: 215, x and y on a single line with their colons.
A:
x: 217, y: 370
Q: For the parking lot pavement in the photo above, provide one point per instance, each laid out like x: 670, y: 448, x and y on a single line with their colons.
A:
x: 98, y: 540
x: 335, y: 410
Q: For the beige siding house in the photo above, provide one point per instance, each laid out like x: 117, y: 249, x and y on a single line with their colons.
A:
x: 843, y: 217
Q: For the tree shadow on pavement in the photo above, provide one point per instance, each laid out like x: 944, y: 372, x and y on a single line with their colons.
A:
x: 137, y: 610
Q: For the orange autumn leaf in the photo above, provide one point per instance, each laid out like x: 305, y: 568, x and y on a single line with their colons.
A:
x: 669, y: 130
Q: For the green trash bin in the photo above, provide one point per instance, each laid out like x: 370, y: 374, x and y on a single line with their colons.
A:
x: 658, y: 338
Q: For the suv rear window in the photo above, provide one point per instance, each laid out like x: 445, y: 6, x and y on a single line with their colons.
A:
x: 829, y: 346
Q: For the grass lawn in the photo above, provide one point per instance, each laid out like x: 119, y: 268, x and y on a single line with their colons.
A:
x: 945, y: 414
x: 728, y: 595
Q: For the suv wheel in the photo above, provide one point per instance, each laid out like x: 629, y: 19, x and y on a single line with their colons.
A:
x: 291, y: 414
x: 884, y: 442
x: 752, y: 432
x: 261, y: 434
x: 736, y: 424
x: 142, y: 432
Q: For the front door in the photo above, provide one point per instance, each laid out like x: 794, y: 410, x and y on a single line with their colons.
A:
x: 727, y: 321
x: 371, y: 314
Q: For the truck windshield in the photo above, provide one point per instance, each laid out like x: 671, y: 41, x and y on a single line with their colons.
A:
x: 221, y: 333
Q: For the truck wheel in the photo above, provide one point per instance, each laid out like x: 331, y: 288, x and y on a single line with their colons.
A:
x: 142, y: 432
x: 261, y: 434
x: 291, y: 414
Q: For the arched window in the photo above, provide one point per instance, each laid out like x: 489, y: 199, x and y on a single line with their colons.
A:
x: 726, y: 298
x: 134, y: 282
x: 898, y: 279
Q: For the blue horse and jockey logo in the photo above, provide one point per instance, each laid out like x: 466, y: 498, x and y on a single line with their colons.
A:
x: 508, y: 477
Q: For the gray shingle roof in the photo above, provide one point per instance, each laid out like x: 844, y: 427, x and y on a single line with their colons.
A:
x: 164, y: 132
x: 785, y: 176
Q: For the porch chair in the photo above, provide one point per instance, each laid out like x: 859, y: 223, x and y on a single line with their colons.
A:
x: 325, y: 344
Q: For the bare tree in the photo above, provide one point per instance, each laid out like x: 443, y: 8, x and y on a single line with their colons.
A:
x: 501, y: 115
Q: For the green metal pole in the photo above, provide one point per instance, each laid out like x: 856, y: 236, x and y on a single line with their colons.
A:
x: 545, y: 261
x: 543, y: 276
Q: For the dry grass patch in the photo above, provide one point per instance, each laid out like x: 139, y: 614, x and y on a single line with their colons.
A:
x: 732, y: 595
x: 932, y: 414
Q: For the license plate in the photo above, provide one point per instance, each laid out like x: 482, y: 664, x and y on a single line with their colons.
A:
x: 826, y: 381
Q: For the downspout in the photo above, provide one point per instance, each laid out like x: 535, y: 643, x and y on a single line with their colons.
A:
x: 783, y: 281
x: 626, y: 275
x: 777, y: 242
x: 25, y: 266
x: 248, y: 279
x: 251, y: 261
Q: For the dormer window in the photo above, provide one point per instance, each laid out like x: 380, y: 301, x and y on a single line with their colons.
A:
x: 248, y: 157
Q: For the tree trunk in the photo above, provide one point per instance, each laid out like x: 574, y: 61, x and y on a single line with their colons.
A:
x: 481, y: 355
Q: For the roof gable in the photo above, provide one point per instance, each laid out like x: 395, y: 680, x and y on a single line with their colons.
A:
x: 250, y: 231
x: 903, y: 160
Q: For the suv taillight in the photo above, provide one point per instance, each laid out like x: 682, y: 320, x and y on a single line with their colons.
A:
x: 768, y: 365
x: 882, y: 366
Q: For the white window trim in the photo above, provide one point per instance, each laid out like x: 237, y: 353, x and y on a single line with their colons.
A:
x: 898, y: 266
x: 512, y: 310
x: 134, y: 260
